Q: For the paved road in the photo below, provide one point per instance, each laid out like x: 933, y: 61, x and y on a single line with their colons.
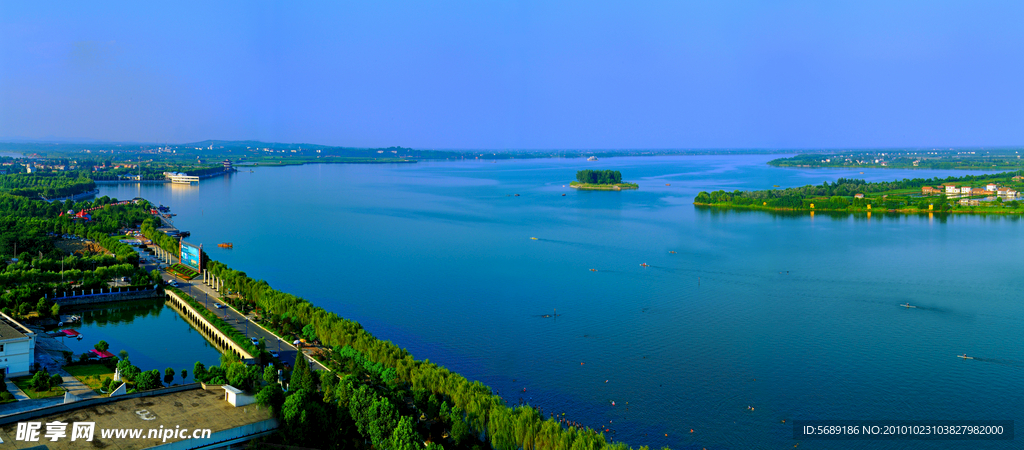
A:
x: 208, y: 297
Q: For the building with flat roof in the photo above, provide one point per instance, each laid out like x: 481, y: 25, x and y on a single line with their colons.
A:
x: 178, y: 418
x: 17, y: 347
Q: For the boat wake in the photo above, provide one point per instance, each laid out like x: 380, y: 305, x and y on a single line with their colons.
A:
x: 1002, y: 362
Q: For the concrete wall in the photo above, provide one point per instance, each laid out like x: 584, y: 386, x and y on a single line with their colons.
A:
x: 88, y: 299
x: 224, y: 437
x: 60, y: 408
x: 209, y: 331
x: 17, y: 356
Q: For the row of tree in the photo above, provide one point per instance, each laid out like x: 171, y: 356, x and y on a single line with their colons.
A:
x: 484, y: 413
x: 599, y: 176
x: 48, y: 185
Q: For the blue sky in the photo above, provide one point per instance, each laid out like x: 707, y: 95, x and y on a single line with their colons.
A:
x: 518, y: 75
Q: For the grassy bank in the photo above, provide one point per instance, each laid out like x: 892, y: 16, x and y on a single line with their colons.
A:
x: 603, y: 187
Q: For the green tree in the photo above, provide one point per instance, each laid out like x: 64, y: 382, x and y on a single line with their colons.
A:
x: 270, y: 375
x: 302, y: 377
x: 168, y: 375
x: 149, y: 379
x: 40, y: 381
x: 309, y: 332
x: 199, y: 371
x: 42, y: 307
x: 55, y: 310
x: 242, y: 376
x: 102, y: 346
x: 271, y: 396
x: 404, y: 436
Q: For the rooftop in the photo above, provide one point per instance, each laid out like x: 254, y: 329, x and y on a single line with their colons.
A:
x: 11, y: 329
x: 192, y: 409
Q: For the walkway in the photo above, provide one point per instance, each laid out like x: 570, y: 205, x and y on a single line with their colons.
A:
x: 16, y: 391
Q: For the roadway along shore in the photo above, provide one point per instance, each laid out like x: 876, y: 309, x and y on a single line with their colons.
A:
x: 208, y: 296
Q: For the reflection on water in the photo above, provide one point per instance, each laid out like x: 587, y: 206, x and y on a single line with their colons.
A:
x: 153, y: 334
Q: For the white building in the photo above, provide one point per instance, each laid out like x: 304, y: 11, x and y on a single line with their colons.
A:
x: 991, y: 187
x: 236, y: 397
x: 17, y: 347
x: 952, y: 189
x: 965, y: 189
x: 177, y: 177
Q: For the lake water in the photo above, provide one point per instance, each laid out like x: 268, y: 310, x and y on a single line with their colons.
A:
x: 154, y: 335
x: 794, y: 315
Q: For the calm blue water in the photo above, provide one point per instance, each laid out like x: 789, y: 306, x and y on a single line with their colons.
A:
x: 167, y: 339
x: 796, y: 316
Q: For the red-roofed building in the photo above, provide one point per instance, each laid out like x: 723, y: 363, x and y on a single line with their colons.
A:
x: 71, y: 333
x: 102, y: 353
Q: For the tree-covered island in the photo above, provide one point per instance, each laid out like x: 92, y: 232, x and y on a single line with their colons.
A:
x: 602, y: 180
x: 996, y: 193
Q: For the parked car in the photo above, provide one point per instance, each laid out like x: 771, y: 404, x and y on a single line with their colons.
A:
x: 219, y: 306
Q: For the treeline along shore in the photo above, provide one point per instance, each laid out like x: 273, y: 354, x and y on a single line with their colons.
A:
x: 375, y: 393
x: 972, y: 194
x: 379, y: 391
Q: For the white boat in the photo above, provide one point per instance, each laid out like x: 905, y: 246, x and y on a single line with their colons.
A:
x: 964, y: 356
x: 907, y: 305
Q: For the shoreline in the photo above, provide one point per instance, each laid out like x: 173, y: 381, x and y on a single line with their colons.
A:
x: 849, y: 211
x: 603, y: 187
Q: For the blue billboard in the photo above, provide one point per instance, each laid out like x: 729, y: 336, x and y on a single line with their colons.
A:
x: 192, y: 256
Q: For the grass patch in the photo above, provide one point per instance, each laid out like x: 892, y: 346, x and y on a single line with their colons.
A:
x: 603, y: 187
x: 91, y: 375
x: 22, y: 383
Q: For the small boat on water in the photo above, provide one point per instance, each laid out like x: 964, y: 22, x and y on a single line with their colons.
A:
x: 534, y: 238
x: 671, y: 251
x: 645, y: 265
x: 964, y: 356
x: 593, y: 270
x: 908, y: 305
x: 226, y: 245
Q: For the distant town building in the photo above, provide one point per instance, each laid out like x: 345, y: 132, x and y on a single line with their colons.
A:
x: 930, y: 190
x: 858, y: 195
x: 970, y: 202
x: 951, y: 189
x: 980, y: 191
x: 227, y: 164
x: 991, y: 187
x: 965, y: 190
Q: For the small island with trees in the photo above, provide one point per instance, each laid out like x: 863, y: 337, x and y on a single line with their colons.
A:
x: 601, y: 180
x: 977, y: 194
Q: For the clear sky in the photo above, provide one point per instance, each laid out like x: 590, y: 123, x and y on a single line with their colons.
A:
x: 517, y: 74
